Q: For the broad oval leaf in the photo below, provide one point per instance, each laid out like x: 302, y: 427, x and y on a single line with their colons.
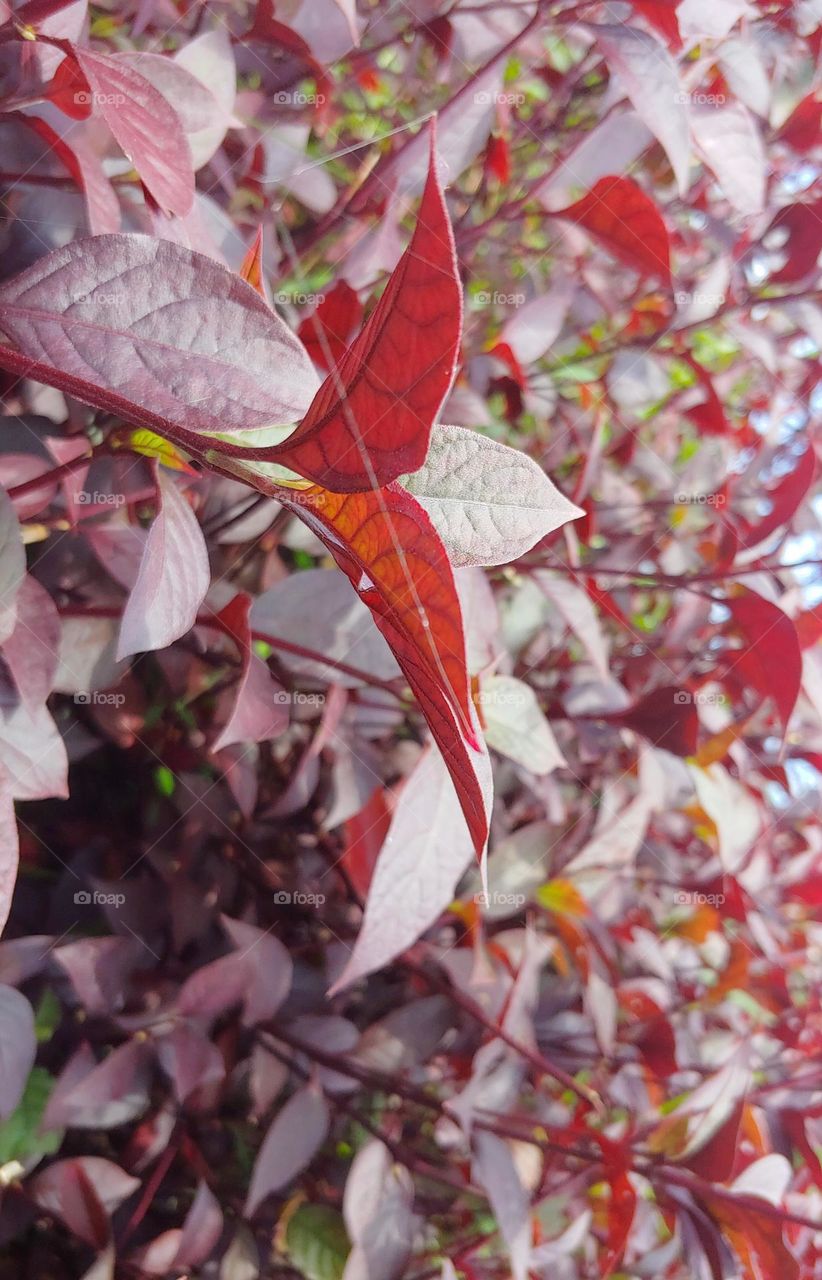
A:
x: 489, y: 504
x: 173, y: 579
x: 158, y: 334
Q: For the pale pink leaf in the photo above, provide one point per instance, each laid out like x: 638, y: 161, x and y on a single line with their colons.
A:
x: 489, y: 503
x: 426, y: 851
x: 648, y: 75
x: 173, y: 579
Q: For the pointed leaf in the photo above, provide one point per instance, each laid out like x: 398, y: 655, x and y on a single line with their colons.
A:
x: 516, y: 727
x: 173, y: 579
x: 391, y: 553
x: 371, y: 420
x: 425, y: 853
x: 620, y: 215
x: 496, y: 1171
x: 326, y: 333
x: 648, y: 75
x: 771, y: 659
x: 297, y: 1133
x: 489, y: 504
x: 145, y: 125
x: 260, y: 709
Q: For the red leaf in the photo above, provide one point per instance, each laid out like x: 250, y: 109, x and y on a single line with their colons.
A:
x: 771, y: 659
x: 621, y: 1209
x: 326, y: 334
x: 803, y: 128
x: 661, y: 14
x: 260, y: 708
x: 785, y: 499
x: 803, y: 224
x: 395, y: 560
x: 716, y: 1159
x: 666, y: 717
x: 145, y: 125
x: 70, y: 90
x: 498, y: 159
x: 371, y: 419
x: 365, y: 834
x: 623, y: 218
x: 755, y: 1240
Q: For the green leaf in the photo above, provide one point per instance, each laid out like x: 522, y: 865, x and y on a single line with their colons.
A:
x: 20, y: 1138
x: 317, y: 1242
x: 47, y: 1016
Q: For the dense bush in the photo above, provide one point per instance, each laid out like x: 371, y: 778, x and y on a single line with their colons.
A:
x: 301, y: 306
